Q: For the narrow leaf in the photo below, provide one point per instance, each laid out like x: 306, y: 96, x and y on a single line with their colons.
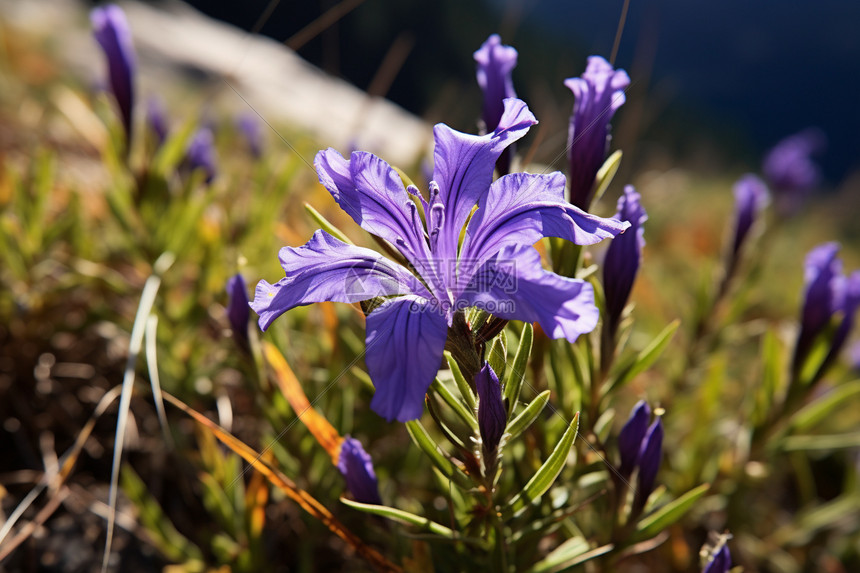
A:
x: 423, y: 440
x: 647, y: 357
x: 541, y: 481
x: 462, y: 383
x: 403, y: 517
x: 459, y: 408
x: 669, y: 513
x: 518, y: 369
x: 525, y: 418
x: 327, y: 225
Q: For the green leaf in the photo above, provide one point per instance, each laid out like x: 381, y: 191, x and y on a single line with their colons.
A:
x: 327, y: 225
x: 541, y: 481
x: 606, y: 174
x: 498, y: 355
x: 468, y: 416
x: 773, y: 376
x: 669, y: 513
x: 462, y: 384
x: 401, y: 516
x: 817, y: 411
x: 572, y: 552
x: 423, y: 440
x: 647, y: 357
x: 528, y: 415
x: 518, y: 371
x: 827, y: 442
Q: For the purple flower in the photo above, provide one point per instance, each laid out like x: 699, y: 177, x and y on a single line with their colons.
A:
x: 720, y: 562
x: 623, y: 257
x: 238, y: 311
x: 650, y: 455
x: 599, y: 93
x: 631, y: 437
x: 827, y: 293
x: 495, y: 64
x: 357, y: 468
x: 113, y: 34
x: 201, y: 153
x: 751, y: 197
x: 641, y: 446
x: 496, y: 268
x: 492, y: 417
x: 789, y: 170
x: 156, y: 119
x: 249, y: 124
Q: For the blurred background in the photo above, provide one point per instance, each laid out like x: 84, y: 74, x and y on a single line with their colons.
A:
x: 739, y: 75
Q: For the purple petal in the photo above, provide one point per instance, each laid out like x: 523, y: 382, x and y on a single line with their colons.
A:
x: 520, y: 209
x: 405, y: 340
x: 721, y: 562
x: 623, y: 256
x: 372, y: 193
x: 514, y: 285
x: 495, y: 64
x: 788, y: 166
x: 250, y: 127
x: 464, y: 169
x: 650, y: 455
x: 113, y: 34
x: 631, y: 436
x: 599, y: 93
x: 201, y: 153
x: 357, y: 468
x: 238, y: 311
x: 492, y: 417
x: 751, y: 197
x: 823, y: 293
x: 328, y: 269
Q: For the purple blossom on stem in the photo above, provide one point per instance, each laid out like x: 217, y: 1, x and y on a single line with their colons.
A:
x: 250, y: 127
x: 201, y: 153
x: 238, y: 311
x: 751, y: 197
x: 631, y: 437
x: 828, y: 293
x: 721, y: 561
x: 492, y: 417
x: 599, y: 93
x: 623, y: 257
x: 495, y: 63
x: 496, y: 268
x: 113, y: 34
x: 357, y: 469
x: 650, y: 455
x: 789, y: 169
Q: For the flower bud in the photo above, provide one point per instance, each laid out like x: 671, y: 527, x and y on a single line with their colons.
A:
x: 492, y: 417
x: 238, y: 311
x: 357, y: 468
x: 631, y: 436
x: 623, y: 257
x: 113, y: 34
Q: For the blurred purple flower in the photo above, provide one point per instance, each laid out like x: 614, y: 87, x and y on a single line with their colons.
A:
x: 789, y: 169
x: 623, y: 257
x: 156, y: 119
x: 827, y: 293
x: 599, y: 93
x: 357, y: 468
x: 751, y: 197
x: 492, y: 417
x: 650, y: 455
x: 249, y: 124
x: 238, y: 311
x: 201, y: 153
x: 721, y: 561
x: 113, y: 34
x: 496, y: 62
x: 496, y: 268
x: 631, y: 437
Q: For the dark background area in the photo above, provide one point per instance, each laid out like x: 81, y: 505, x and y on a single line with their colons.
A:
x: 736, y: 75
